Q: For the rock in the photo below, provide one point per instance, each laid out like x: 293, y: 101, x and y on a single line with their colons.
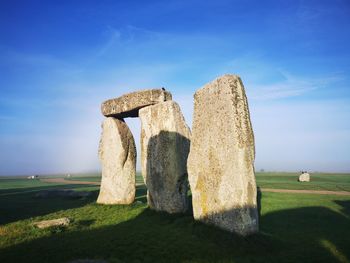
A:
x: 117, y: 154
x: 65, y: 193
x: 221, y: 160
x: 165, y: 144
x: 304, y: 177
x: 129, y: 104
x: 64, y: 221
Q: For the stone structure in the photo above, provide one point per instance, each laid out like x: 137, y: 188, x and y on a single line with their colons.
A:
x: 129, y: 104
x: 165, y: 144
x: 64, y: 221
x: 117, y: 153
x: 221, y: 159
x: 304, y: 177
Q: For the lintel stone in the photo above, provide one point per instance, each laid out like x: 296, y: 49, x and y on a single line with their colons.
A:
x: 129, y: 104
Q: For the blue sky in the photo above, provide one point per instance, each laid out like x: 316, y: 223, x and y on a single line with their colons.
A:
x: 59, y: 61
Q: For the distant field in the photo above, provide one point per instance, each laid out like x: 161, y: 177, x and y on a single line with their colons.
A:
x: 15, y: 184
x: 276, y: 180
x: 330, y: 182
x: 94, y: 178
x: 85, y: 178
x: 294, y: 228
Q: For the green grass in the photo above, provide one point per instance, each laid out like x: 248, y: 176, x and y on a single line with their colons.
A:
x: 13, y: 184
x: 97, y: 178
x: 87, y: 178
x: 278, y: 180
x: 294, y: 228
x: 330, y: 182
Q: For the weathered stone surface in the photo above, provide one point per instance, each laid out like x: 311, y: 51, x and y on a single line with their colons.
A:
x: 304, y: 177
x: 165, y: 144
x: 64, y: 221
x: 221, y: 160
x: 129, y: 104
x: 117, y: 153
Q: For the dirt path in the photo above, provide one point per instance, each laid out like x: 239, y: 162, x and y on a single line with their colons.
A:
x: 64, y: 181
x: 318, y: 192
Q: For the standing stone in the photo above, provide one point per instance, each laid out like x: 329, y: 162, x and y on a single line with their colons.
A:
x: 129, y: 104
x: 221, y: 159
x: 165, y: 144
x: 117, y: 153
x: 304, y: 177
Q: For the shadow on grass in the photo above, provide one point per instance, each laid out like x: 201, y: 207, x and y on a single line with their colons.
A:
x: 141, y: 193
x: 345, y: 204
x: 295, y: 235
x: 25, y: 190
x: 150, y: 237
x: 311, y: 234
x: 19, y: 206
x: 21, y: 203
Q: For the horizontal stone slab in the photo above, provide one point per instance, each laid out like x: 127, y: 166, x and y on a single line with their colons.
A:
x: 64, y: 221
x: 129, y: 104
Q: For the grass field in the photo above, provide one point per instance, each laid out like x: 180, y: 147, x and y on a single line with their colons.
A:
x: 319, y: 181
x: 294, y: 227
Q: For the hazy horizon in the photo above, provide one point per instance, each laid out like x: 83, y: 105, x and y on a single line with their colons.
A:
x: 59, y: 61
x: 93, y: 173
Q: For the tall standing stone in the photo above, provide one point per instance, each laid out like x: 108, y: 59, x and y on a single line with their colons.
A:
x: 165, y: 144
x: 221, y: 159
x: 117, y: 153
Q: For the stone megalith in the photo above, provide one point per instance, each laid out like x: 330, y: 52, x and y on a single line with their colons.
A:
x: 129, y: 104
x: 117, y: 154
x: 165, y: 144
x: 221, y: 160
x: 304, y: 177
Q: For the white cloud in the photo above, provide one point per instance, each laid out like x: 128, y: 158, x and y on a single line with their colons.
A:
x: 291, y: 86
